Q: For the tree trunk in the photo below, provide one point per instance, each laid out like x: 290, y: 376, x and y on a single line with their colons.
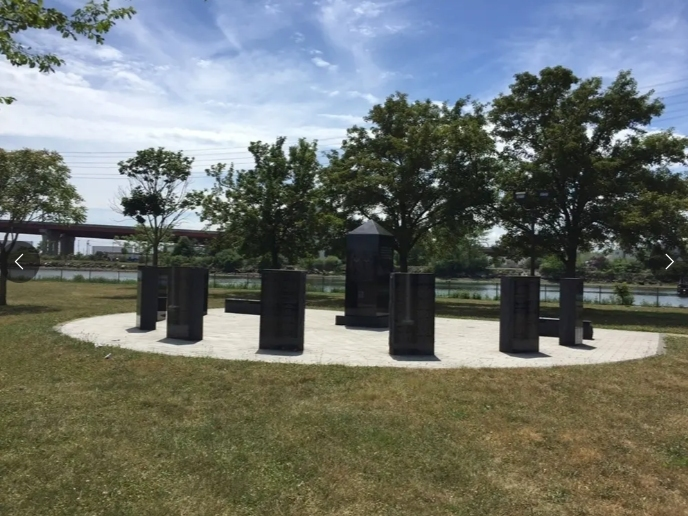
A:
x: 274, y: 258
x: 155, y: 255
x: 570, y: 264
x: 4, y: 269
x: 403, y: 260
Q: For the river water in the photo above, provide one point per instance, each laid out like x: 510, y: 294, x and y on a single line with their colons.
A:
x: 656, y: 296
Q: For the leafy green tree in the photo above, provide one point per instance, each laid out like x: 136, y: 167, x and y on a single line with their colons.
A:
x: 156, y: 196
x: 228, y: 260
x: 655, y: 260
x: 451, y: 255
x: 552, y: 268
x: 273, y: 209
x: 184, y: 247
x: 417, y: 167
x: 92, y: 21
x: 34, y: 187
x: 608, y: 177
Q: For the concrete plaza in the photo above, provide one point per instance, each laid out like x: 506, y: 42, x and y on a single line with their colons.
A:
x: 458, y: 343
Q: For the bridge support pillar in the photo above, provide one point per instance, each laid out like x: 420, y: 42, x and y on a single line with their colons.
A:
x: 67, y: 245
x: 51, y: 243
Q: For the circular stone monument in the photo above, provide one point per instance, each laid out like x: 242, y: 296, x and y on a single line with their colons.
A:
x: 458, y: 343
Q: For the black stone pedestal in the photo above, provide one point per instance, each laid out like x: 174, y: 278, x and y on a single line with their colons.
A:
x: 363, y: 321
x: 282, y: 310
x: 571, y: 312
x: 369, y: 262
x: 206, y: 282
x: 163, y: 281
x: 147, y: 298
x: 185, y: 303
x: 412, y: 314
x: 519, y: 314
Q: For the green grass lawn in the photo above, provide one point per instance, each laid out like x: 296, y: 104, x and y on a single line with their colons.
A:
x: 142, y: 434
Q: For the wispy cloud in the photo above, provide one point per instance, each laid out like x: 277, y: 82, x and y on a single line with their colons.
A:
x: 601, y: 38
x: 219, y: 74
x: 355, y: 27
x: 321, y: 63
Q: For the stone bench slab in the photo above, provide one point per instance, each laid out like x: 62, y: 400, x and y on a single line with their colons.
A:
x: 242, y: 306
x: 549, y: 327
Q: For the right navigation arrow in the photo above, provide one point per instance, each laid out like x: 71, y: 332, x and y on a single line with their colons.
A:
x: 672, y: 262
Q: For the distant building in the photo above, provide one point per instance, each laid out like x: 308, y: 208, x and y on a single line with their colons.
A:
x: 113, y: 252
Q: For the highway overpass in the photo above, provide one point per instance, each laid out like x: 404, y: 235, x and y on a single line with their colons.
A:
x: 60, y: 237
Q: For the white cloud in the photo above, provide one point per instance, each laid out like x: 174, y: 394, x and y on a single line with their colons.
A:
x: 354, y: 26
x: 154, y: 85
x: 321, y: 63
x: 366, y: 96
x: 595, y: 39
x: 220, y: 74
x: 349, y: 119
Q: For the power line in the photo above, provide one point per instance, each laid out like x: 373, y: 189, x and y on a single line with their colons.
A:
x: 653, y: 86
x: 204, y: 159
x: 83, y: 169
x: 111, y: 166
x: 682, y: 116
x: 227, y: 154
x: 215, y: 149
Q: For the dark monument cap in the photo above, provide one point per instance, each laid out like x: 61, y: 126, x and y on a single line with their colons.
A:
x: 370, y: 228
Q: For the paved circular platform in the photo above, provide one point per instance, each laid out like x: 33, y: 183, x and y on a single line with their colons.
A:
x: 458, y: 343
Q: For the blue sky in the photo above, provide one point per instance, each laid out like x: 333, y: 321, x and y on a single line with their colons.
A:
x: 209, y: 77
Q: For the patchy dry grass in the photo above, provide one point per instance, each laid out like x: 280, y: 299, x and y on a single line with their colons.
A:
x: 144, y: 434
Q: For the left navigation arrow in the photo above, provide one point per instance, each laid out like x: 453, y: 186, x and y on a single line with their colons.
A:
x: 23, y: 263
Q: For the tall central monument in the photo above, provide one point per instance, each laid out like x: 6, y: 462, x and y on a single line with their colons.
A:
x: 369, y: 262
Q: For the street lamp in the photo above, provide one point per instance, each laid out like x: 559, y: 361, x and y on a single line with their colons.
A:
x: 529, y: 202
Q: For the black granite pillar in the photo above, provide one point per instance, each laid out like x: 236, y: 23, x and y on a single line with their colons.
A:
x: 519, y: 314
x: 412, y: 314
x: 147, y: 298
x: 369, y: 262
x: 185, y: 303
x: 206, y: 282
x: 163, y: 281
x: 282, y: 310
x: 571, y: 312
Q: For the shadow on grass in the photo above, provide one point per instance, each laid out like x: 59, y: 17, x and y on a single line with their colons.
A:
x: 27, y: 309
x: 118, y: 297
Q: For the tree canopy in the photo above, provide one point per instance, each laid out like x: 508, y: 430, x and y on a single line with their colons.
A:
x: 609, y: 178
x: 92, y: 21
x: 418, y: 166
x: 273, y: 209
x: 34, y: 186
x: 156, y: 196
